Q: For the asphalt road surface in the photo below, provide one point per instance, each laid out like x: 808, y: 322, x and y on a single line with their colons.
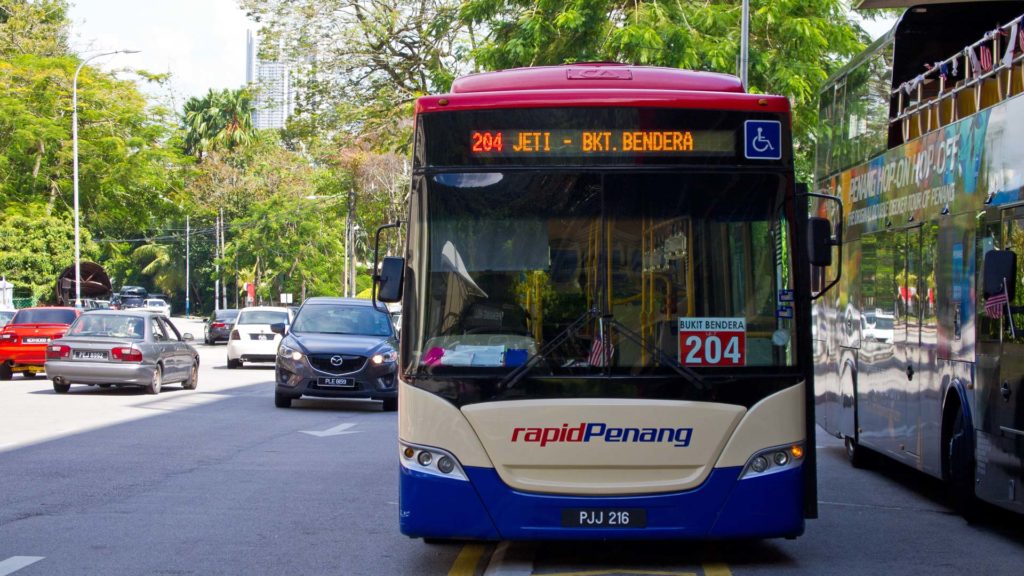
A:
x: 219, y: 481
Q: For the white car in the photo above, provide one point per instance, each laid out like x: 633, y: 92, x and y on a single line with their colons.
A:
x: 251, y: 338
x: 157, y: 305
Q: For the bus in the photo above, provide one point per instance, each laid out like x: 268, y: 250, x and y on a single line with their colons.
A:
x: 917, y: 139
x: 605, y: 310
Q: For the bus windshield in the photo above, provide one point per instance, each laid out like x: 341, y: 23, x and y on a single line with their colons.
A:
x: 603, y: 273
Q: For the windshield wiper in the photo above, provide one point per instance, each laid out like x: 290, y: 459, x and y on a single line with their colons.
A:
x: 684, y: 371
x: 513, y: 377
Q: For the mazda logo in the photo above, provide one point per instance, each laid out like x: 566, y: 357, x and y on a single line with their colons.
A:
x: 337, y: 360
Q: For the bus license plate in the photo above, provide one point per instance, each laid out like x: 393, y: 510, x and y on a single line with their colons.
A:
x: 604, y: 518
x: 336, y: 382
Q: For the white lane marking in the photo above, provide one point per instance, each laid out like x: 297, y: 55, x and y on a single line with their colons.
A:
x: 15, y: 563
x: 510, y: 559
x: 338, y: 430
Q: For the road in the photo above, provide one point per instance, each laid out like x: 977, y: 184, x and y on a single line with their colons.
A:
x: 219, y: 481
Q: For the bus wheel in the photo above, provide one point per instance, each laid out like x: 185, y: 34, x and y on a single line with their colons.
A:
x: 960, y: 468
x: 859, y: 456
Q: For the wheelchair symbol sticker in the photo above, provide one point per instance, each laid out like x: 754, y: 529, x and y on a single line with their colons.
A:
x: 763, y: 139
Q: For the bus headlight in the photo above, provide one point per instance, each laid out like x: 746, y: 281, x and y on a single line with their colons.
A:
x: 430, y: 460
x: 774, y: 459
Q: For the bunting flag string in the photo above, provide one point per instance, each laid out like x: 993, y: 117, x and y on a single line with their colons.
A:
x: 1008, y: 54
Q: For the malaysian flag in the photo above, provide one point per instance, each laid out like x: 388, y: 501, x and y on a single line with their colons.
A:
x: 599, y: 351
x: 994, y: 304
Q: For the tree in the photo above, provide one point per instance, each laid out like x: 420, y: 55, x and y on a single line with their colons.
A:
x: 794, y: 44
x: 370, y: 60
x: 36, y: 247
x: 129, y: 178
x: 33, y: 27
x: 221, y: 119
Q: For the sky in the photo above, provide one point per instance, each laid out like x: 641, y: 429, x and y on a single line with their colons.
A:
x: 200, y: 42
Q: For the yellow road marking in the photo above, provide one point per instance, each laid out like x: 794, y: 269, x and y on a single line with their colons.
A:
x: 628, y: 571
x: 468, y: 558
x: 620, y: 571
x: 716, y: 569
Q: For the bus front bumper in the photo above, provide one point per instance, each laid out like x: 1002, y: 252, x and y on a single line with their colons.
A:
x: 485, y: 508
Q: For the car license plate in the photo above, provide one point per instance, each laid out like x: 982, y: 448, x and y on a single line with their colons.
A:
x: 35, y: 340
x: 604, y: 518
x: 336, y: 382
x: 90, y: 355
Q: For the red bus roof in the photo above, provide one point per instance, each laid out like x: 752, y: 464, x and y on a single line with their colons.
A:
x: 600, y: 84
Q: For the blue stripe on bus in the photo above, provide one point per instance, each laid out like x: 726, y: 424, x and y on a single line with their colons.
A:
x: 486, y: 508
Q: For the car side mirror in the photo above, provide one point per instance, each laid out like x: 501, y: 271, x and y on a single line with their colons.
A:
x: 1000, y: 267
x: 279, y: 328
x: 187, y: 337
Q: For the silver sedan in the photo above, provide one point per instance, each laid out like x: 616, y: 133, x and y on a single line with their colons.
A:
x: 122, y: 348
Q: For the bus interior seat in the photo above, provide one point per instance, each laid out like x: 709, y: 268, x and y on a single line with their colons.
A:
x: 947, y: 111
x: 966, y: 102
x: 990, y: 91
x: 1017, y: 78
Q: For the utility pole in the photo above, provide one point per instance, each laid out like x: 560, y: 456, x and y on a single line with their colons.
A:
x: 223, y: 285
x: 216, y: 264
x: 350, y: 245
x: 745, y: 44
x: 188, y: 256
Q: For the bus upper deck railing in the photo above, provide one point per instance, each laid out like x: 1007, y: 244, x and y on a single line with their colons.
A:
x: 993, y: 70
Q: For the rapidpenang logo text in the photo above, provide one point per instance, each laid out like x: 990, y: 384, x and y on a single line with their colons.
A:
x: 589, y: 431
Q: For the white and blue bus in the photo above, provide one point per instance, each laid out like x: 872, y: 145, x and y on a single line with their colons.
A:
x: 605, y: 310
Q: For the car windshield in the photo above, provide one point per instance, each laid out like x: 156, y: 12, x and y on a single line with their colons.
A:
x: 225, y: 315
x: 342, y: 319
x: 155, y: 302
x: 44, y: 316
x: 5, y: 316
x: 104, y: 325
x: 262, y: 317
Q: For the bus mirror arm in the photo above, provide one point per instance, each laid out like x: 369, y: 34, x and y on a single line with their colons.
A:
x: 388, y: 276
x: 822, y: 237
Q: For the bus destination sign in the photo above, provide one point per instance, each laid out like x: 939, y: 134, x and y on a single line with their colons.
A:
x: 577, y: 143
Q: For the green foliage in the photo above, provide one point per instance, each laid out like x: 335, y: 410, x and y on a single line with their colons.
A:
x: 129, y: 180
x: 794, y: 44
x: 373, y: 59
x: 38, y: 27
x: 221, y: 119
x: 36, y: 247
x: 289, y: 244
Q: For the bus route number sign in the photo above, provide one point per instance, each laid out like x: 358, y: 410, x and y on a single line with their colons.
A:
x: 713, y: 341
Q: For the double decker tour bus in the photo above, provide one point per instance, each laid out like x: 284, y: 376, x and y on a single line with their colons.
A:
x: 919, y: 350
x: 606, y: 312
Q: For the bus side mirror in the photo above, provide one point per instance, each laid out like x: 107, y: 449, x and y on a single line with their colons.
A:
x: 819, y: 242
x: 389, y: 281
x: 1000, y: 265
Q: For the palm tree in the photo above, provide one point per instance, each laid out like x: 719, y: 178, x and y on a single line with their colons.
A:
x: 156, y: 261
x: 218, y: 119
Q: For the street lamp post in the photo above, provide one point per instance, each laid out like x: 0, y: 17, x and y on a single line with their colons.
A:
x: 345, y: 286
x: 74, y: 169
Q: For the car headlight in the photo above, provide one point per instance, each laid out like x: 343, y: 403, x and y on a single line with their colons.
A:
x: 385, y: 357
x: 288, y: 352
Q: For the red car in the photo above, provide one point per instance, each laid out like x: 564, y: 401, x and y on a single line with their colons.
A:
x: 23, y: 341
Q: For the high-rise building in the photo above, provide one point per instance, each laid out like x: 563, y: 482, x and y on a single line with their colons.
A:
x: 274, y: 100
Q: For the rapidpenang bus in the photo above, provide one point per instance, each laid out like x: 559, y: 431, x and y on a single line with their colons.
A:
x: 606, y: 312
x: 920, y: 141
